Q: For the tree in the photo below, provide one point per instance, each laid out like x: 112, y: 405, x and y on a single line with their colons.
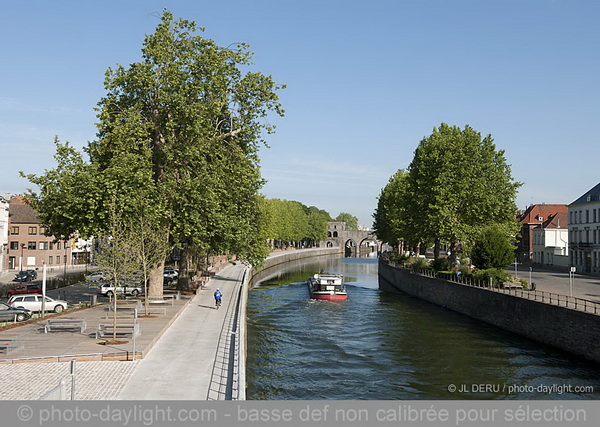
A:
x: 391, y: 218
x: 183, y: 125
x: 116, y: 255
x: 459, y: 183
x: 350, y: 220
x: 493, y: 248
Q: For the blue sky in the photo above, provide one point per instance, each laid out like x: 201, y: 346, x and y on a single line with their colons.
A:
x: 366, y: 81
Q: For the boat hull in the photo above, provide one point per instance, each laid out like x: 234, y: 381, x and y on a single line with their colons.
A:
x: 330, y: 297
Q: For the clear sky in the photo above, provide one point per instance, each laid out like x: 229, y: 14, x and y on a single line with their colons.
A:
x: 366, y: 81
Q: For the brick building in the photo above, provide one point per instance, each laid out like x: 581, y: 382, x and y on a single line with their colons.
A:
x: 535, y: 216
x: 28, y: 247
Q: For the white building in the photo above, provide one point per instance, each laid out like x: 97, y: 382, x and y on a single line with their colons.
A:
x: 3, y: 232
x: 551, y: 241
x: 584, y: 232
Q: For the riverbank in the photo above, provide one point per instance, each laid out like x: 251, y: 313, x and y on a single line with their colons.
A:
x: 567, y: 328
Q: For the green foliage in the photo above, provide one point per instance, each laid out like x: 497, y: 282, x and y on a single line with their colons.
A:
x: 418, y: 264
x: 291, y: 221
x: 183, y: 127
x: 391, y: 220
x: 457, y: 184
x: 350, y: 220
x: 497, y: 276
x: 493, y: 248
x: 441, y: 264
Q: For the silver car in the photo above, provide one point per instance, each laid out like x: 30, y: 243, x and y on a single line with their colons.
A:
x: 107, y: 289
x: 33, y: 302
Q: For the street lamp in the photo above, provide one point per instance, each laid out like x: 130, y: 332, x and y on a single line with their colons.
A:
x: 21, y: 261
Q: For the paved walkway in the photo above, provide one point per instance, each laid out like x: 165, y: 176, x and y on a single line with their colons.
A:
x: 585, y: 287
x: 188, y: 358
x: 192, y: 360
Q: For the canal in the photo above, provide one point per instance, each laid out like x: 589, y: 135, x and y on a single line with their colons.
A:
x: 381, y: 346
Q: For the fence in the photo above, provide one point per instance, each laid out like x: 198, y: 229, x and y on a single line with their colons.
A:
x: 572, y: 303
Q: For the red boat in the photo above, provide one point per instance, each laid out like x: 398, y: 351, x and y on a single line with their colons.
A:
x: 327, y: 286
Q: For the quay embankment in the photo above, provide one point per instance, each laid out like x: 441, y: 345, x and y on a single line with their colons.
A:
x: 570, y: 324
x: 288, y: 258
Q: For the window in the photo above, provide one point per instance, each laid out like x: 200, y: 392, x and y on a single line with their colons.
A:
x: 50, y: 259
x: 51, y: 246
x: 32, y: 231
x: 14, y: 231
x: 14, y: 246
x: 42, y: 230
x: 31, y: 246
x: 58, y: 247
x: 58, y: 259
x: 29, y: 299
x: 43, y: 246
x: 587, y: 215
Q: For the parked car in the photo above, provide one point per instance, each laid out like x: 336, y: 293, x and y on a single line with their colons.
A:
x: 12, y: 313
x: 34, y: 303
x: 96, y: 276
x: 170, y: 275
x: 108, y: 290
x: 28, y: 288
x: 25, y: 276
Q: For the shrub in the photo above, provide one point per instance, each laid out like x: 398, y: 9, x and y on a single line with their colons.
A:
x: 493, y: 249
x: 441, y: 264
x: 418, y: 263
x: 497, y: 276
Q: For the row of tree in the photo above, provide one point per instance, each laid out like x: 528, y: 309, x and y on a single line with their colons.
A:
x: 457, y: 184
x: 292, y: 223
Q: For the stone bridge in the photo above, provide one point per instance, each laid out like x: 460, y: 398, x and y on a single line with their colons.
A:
x: 356, y: 243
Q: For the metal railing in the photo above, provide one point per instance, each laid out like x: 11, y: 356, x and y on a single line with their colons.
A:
x: 560, y: 300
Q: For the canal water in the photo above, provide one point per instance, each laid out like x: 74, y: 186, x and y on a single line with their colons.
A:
x: 379, y: 346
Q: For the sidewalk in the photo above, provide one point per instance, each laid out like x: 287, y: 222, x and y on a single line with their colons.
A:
x: 191, y: 361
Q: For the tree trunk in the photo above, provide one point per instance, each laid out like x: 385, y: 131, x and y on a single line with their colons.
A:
x: 155, y: 287
x: 453, y: 254
x: 183, y: 282
x: 436, y: 249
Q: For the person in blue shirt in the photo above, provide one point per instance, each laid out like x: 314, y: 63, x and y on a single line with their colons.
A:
x: 218, y: 296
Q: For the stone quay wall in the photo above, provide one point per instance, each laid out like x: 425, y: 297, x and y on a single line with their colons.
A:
x: 574, y: 331
x: 288, y: 257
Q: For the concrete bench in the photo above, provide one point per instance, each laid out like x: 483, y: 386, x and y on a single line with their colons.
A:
x: 9, y: 345
x: 511, y: 285
x: 126, y: 306
x: 66, y: 324
x: 105, y: 329
x: 166, y: 299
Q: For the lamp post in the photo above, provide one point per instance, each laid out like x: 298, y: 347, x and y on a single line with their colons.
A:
x: 21, y: 260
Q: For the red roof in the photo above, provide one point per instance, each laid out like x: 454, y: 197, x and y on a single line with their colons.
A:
x: 543, y: 213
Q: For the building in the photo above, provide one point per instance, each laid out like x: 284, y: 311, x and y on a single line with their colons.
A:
x: 584, y: 232
x: 534, y: 217
x: 3, y: 232
x: 551, y: 241
x: 28, y: 246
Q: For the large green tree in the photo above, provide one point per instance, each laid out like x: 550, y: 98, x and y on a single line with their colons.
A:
x: 183, y: 125
x: 457, y: 184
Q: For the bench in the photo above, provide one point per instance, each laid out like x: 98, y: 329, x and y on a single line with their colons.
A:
x: 126, y: 306
x: 9, y: 345
x: 64, y: 325
x: 141, y: 311
x: 105, y: 329
x: 512, y: 285
x: 166, y: 299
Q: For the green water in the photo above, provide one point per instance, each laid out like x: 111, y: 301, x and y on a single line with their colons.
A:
x: 379, y: 345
